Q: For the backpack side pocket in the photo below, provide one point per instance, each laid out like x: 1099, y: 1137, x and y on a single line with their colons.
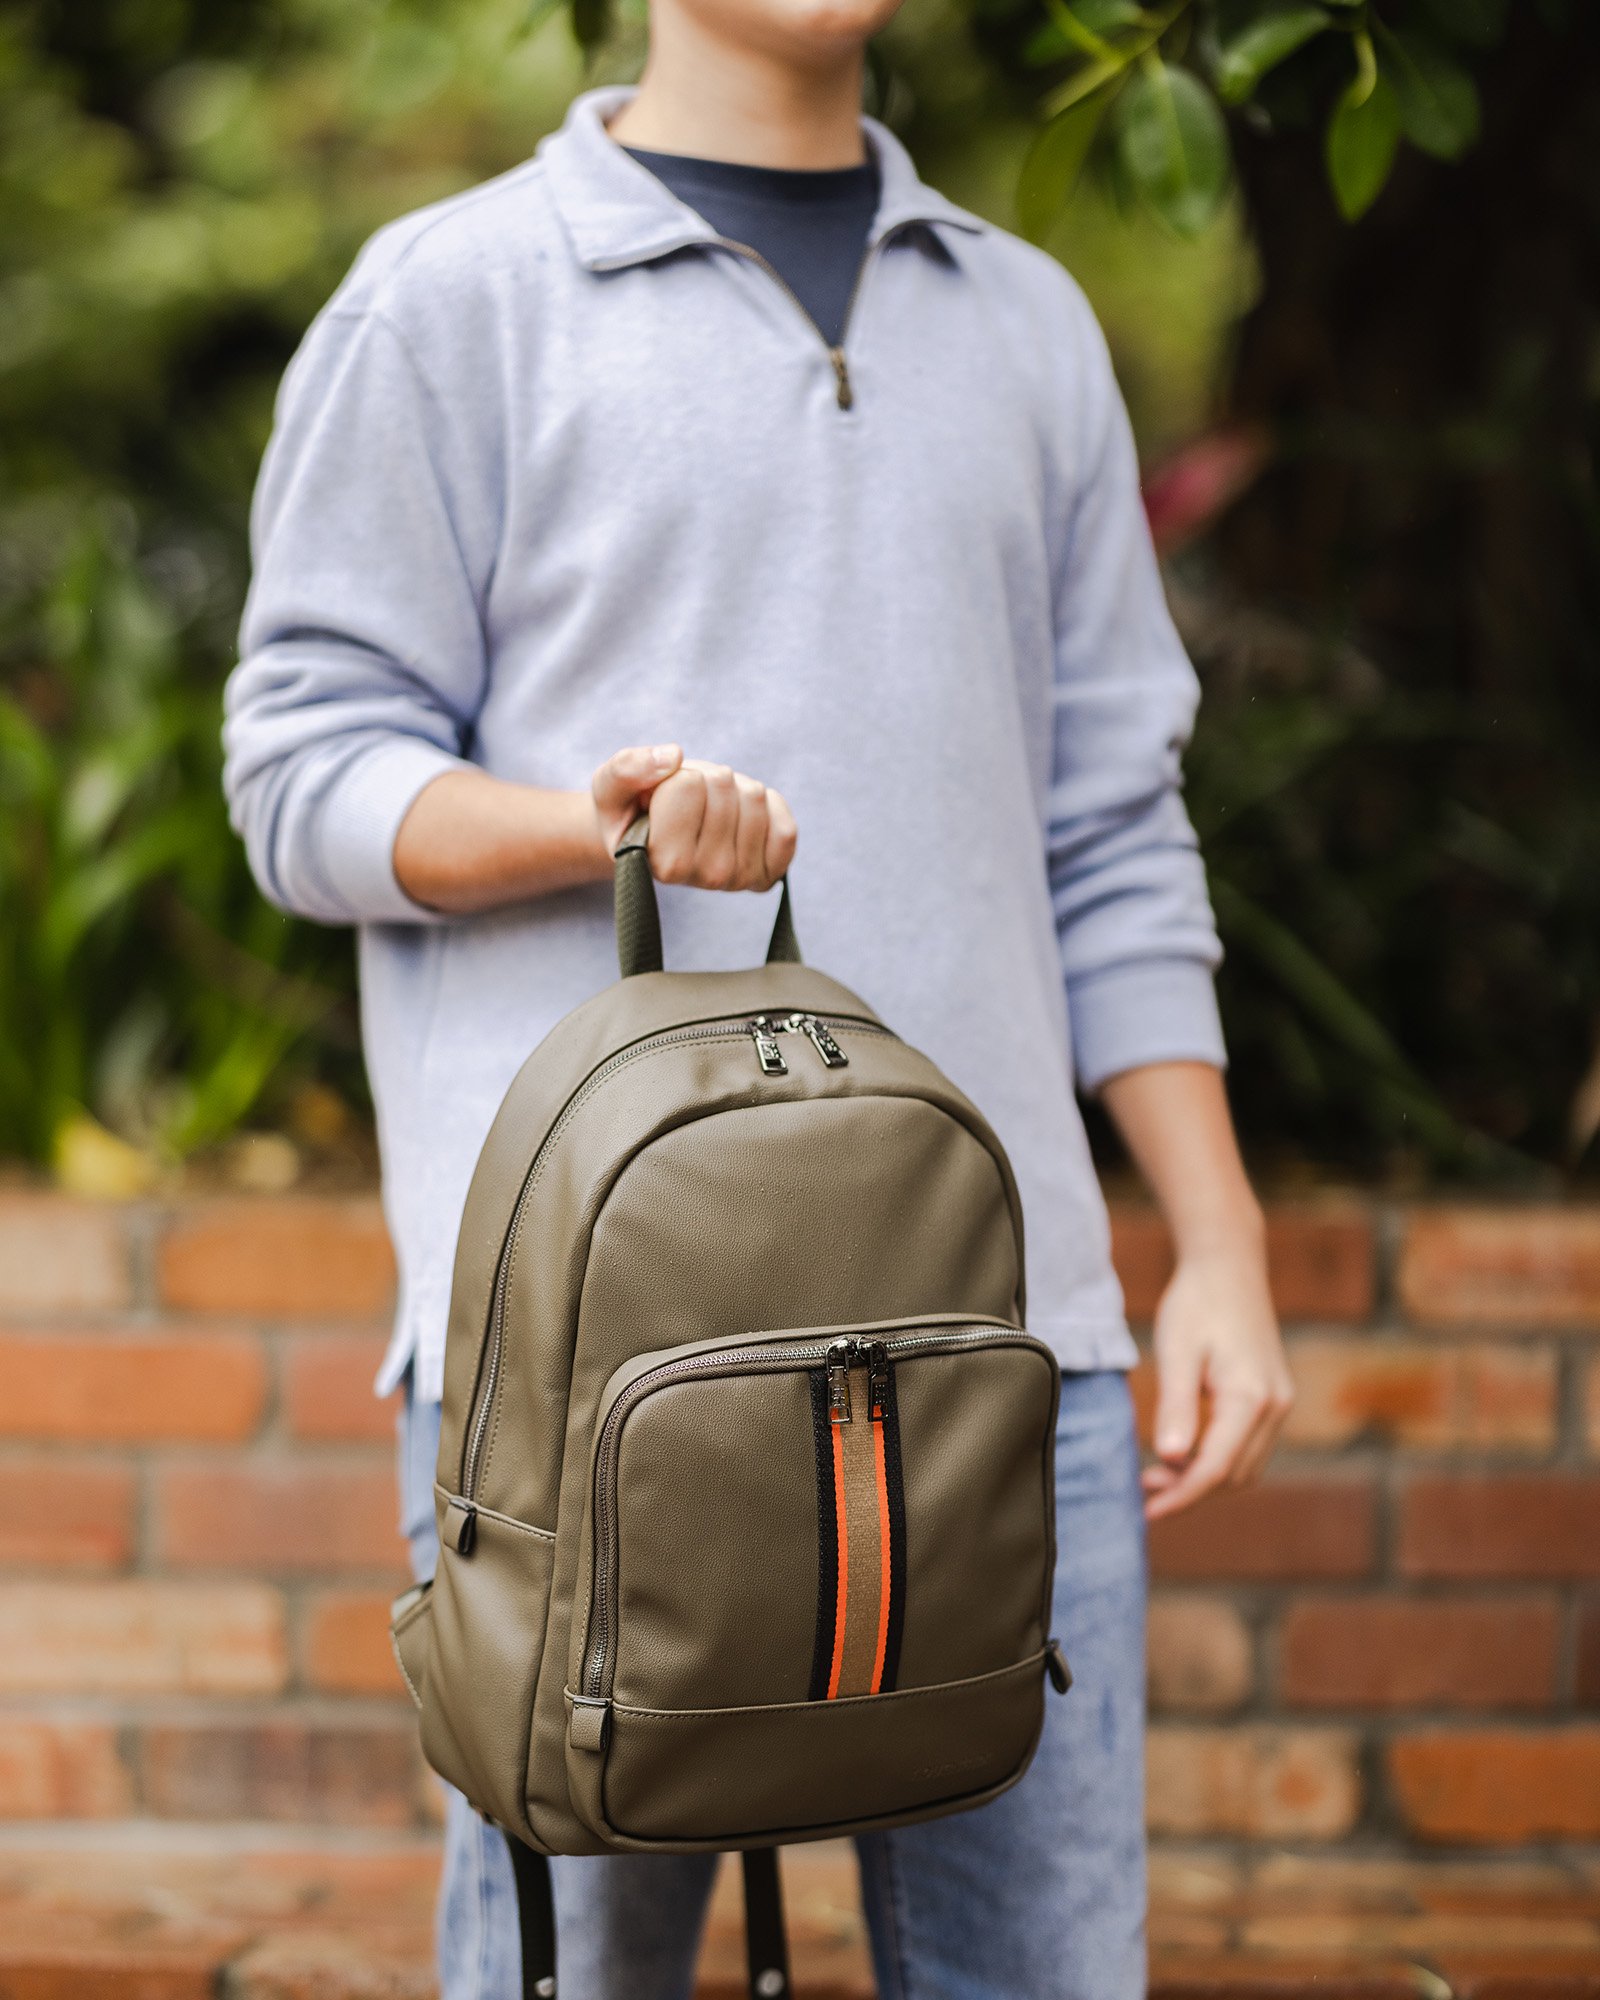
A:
x: 410, y: 1627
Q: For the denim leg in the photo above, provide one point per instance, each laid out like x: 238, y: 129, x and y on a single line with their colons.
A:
x: 1041, y: 1895
x: 628, y: 1924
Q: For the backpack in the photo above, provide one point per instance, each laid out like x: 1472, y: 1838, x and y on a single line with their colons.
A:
x: 745, y: 1486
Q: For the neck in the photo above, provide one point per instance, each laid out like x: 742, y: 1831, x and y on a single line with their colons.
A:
x: 701, y: 96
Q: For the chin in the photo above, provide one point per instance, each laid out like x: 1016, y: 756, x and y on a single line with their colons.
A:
x: 821, y: 30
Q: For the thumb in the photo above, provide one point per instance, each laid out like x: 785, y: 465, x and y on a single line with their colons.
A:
x: 1177, y: 1400
x: 633, y: 774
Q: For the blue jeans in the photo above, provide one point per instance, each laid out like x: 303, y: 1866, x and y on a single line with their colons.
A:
x: 1037, y: 1896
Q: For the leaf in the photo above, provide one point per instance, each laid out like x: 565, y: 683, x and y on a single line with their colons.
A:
x: 1363, y: 135
x: 1052, y: 166
x: 1172, y: 143
x: 1245, y: 60
x: 1438, y: 100
x: 1106, y: 17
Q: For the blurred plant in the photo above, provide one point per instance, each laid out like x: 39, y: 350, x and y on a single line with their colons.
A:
x: 1145, y: 90
x: 144, y: 986
x: 180, y: 187
x: 1388, y: 554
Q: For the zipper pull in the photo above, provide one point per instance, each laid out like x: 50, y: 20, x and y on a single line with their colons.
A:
x: 877, y: 1380
x: 1055, y: 1665
x: 768, y: 1054
x: 841, y: 373
x: 840, y: 1353
x: 833, y: 1057
x: 460, y: 1525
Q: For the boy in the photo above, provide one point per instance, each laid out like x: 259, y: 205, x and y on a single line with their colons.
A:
x: 713, y: 426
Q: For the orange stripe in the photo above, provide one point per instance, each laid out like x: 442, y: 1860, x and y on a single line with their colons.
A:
x: 883, y: 1547
x: 844, y: 1561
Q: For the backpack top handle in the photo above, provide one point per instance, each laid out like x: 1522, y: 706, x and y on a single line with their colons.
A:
x: 639, y: 919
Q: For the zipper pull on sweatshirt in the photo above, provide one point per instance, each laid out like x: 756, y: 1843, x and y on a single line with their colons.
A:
x: 842, y: 377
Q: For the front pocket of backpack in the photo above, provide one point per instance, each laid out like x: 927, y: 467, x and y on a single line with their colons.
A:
x: 788, y: 1538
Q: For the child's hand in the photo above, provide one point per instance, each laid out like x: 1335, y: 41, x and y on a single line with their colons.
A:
x: 709, y: 827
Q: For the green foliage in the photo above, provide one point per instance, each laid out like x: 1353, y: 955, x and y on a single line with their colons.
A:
x: 1407, y: 897
x: 180, y: 187
x: 1168, y: 72
x: 1172, y: 143
x: 1363, y: 135
x: 142, y: 979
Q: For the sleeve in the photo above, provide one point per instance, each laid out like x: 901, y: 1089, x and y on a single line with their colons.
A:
x: 362, y: 660
x: 1137, y: 938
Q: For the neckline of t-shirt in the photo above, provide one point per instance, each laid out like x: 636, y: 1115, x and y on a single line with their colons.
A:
x: 805, y: 185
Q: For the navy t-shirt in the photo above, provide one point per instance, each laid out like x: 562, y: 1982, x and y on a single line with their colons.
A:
x: 809, y: 224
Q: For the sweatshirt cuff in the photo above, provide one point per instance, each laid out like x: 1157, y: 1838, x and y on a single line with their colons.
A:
x: 1148, y: 1011
x: 361, y: 816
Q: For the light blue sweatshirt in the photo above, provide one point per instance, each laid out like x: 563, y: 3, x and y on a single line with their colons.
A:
x: 556, y: 472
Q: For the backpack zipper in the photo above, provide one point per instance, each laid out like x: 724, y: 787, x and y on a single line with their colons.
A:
x: 876, y: 1353
x: 844, y: 392
x: 763, y: 1031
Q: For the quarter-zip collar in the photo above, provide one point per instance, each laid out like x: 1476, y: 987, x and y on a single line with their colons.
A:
x: 616, y: 212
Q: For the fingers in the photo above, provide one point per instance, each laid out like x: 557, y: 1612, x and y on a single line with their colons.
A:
x: 782, y: 837
x: 716, y: 828
x: 1277, y: 1402
x: 1233, y: 1418
x: 750, y: 836
x: 1177, y: 1422
x: 1244, y: 1426
x: 623, y: 785
x: 677, y: 812
x: 716, y: 856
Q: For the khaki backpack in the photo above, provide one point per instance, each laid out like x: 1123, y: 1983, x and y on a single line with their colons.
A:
x: 745, y: 1480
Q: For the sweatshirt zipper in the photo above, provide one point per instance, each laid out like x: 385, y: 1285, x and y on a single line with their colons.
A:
x: 762, y: 1030
x: 844, y: 392
x: 876, y: 1352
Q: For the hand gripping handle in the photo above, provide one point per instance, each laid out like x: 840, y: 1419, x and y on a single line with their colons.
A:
x: 639, y: 919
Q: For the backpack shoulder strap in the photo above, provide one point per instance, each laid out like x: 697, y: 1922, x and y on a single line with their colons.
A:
x: 766, y: 1944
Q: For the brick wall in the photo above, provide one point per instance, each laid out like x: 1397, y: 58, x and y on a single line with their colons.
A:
x: 1397, y: 1636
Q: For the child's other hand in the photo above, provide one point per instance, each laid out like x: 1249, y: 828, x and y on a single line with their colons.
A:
x: 710, y: 827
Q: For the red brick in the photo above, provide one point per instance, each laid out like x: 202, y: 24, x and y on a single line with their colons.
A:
x: 141, y: 1636
x: 1516, y: 1975
x: 1520, y: 1266
x: 125, y: 1386
x: 290, y: 1517
x: 116, y: 1955
x: 1199, y: 1654
x: 1498, y: 1787
x: 327, y: 1387
x: 1591, y: 1407
x: 1254, y: 1783
x: 1383, y: 1652
x: 359, y: 1774
x: 301, y: 1257
x: 53, y: 1769
x: 1421, y: 1394
x: 346, y: 1646
x: 1586, y: 1665
x: 1228, y: 1975
x: 62, y: 1512
x: 1518, y: 1524
x: 1289, y: 1527
x: 61, y: 1256
x: 1320, y: 1256
x: 391, y: 1964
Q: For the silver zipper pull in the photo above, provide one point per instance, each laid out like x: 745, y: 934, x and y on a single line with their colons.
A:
x: 877, y: 1380
x: 841, y: 376
x: 839, y: 1357
x: 768, y: 1054
x: 833, y: 1057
